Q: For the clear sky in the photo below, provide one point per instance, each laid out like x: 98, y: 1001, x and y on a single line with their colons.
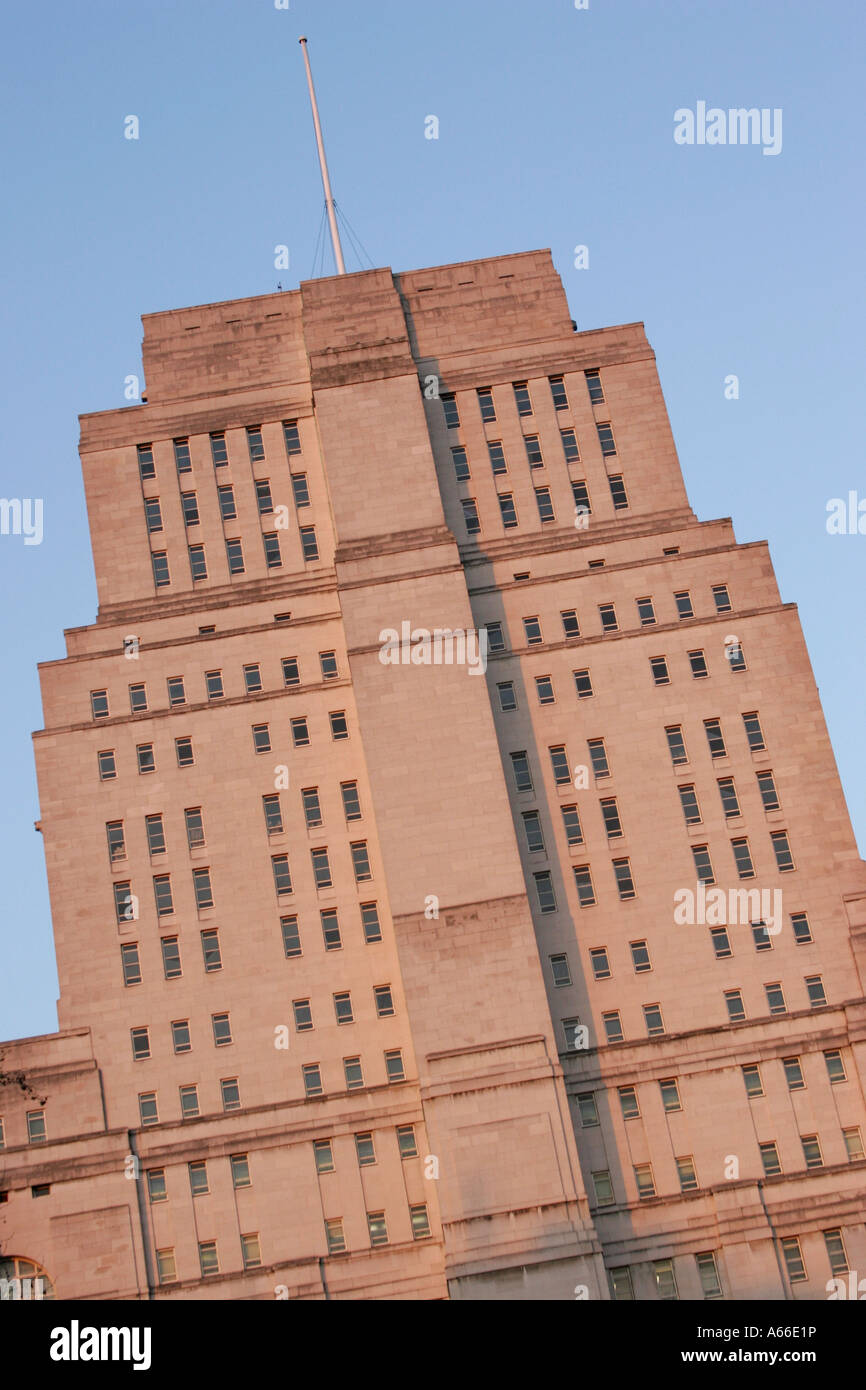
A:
x: 556, y: 129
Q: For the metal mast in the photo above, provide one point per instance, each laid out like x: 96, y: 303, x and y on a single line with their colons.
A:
x: 323, y: 165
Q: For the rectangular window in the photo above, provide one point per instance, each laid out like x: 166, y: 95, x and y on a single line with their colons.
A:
x: 383, y: 1000
x: 507, y: 698
x: 189, y: 505
x: 618, y: 494
x: 715, y: 738
x: 603, y: 1188
x: 736, y: 1008
x: 189, y: 1107
x: 743, y: 858
x: 853, y: 1143
x: 140, y: 1043
x: 271, y: 542
x: 598, y: 757
x: 116, y: 842
x: 210, y: 949
x: 261, y: 738
x: 235, y: 556
x: 176, y: 691
x: 331, y: 929
x: 670, y: 1094
x: 159, y: 562
x: 646, y: 611
x: 226, y: 495
x: 736, y: 657
x: 162, y: 894
x: 507, y: 510
x: 300, y: 733
x: 312, y: 808
x: 171, y: 964
x: 124, y: 903
x: 214, y: 685
x: 183, y: 752
x: 652, y: 1016
x: 835, y: 1066
x: 629, y: 1103
x: 600, y: 963
x: 309, y: 544
x: 559, y: 764
x: 377, y: 1228
x: 452, y: 414
x: 485, y: 404
x: 815, y: 991
x: 782, y: 850
x: 812, y: 1151
x: 202, y: 886
x: 720, y: 942
x: 570, y: 625
x: 291, y: 935
x: 470, y: 516
x: 291, y: 673
x: 180, y: 1036
x: 461, y: 463
x: 335, y: 1236
x: 321, y: 868
x: 156, y: 1190
x: 303, y: 1015
x: 594, y: 386
x: 659, y: 670
x: 532, y: 831
x: 703, y: 863
x: 291, y: 438
x: 640, y: 957
x: 775, y: 998
x: 251, y: 1251
x: 770, y: 1159
x: 761, y: 937
x: 130, y: 963
x: 686, y: 1173
x: 683, y: 602
x: 544, y: 504
x: 218, y: 451
x: 147, y: 1108
x: 263, y: 496
x: 646, y: 1187
x: 197, y: 562
x: 582, y: 684
x: 144, y: 754
x: 522, y: 398
x: 709, y: 1274
x: 360, y: 861
x: 282, y: 874
x: 793, y: 1073
x: 544, y: 892
x: 353, y: 1073
x: 137, y: 698
x: 496, y: 454
x: 300, y: 491
x: 754, y: 732
x: 584, y: 886
x: 495, y: 637
x: 273, y: 813
x: 324, y: 1156
x: 570, y: 448
x: 802, y: 930
x: 365, y: 1151
x: 611, y: 818
x: 240, y: 1167
x: 252, y: 678
x: 208, y: 1258
x: 698, y: 665
x: 222, y: 1029
x: 836, y: 1253
x: 370, y: 922
x: 522, y: 775
x: 728, y: 794
x: 721, y: 598
x: 534, y: 456
x: 153, y: 514
x: 676, y: 744
x: 612, y: 1026
x: 146, y: 467
x: 607, y: 613
x: 606, y: 440
x: 558, y: 393
x: 394, y: 1070
x: 194, y: 827
x: 560, y: 971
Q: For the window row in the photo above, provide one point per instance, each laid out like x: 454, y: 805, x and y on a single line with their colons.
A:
x: 543, y: 500
x: 218, y: 449
x: 214, y: 687
x: 664, y: 1278
x: 234, y: 555
x: 793, y: 1069
x: 181, y: 1037
x: 546, y: 896
x: 522, y: 398
x: 718, y: 747
x: 227, y: 504
x: 609, y: 622
x: 261, y: 741
x: 742, y: 854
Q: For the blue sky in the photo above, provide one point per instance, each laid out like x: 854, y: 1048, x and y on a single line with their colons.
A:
x: 556, y: 129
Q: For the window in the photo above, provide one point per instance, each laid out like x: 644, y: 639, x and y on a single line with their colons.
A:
x: 452, y: 415
x: 176, y: 691
x: 507, y: 510
x: 743, y: 858
x: 300, y: 733
x: 189, y: 1108
x: 365, y: 1151
x: 709, y: 1274
x: 507, y: 697
x: 261, y: 738
x: 208, y: 1258
x: 645, y: 611
x: 470, y: 516
x: 353, y: 1073
x: 271, y: 541
x: 594, y: 386
x: 165, y: 1266
x: 571, y: 451
x: 202, y: 886
x: 571, y: 824
x: 544, y: 891
x: 330, y: 929
x: 544, y: 690
x: 596, y: 564
x: 736, y: 657
x: 621, y: 1285
x: 183, y: 750
x: 495, y: 638
x: 323, y: 1155
x: 159, y: 564
x: 558, y: 393
x: 534, y: 456
x: 406, y: 1144
x: 775, y: 999
x: 754, y: 732
x: 300, y: 491
x: 228, y: 510
x: 282, y: 874
x: 728, y: 794
x: 812, y: 1151
x: 802, y: 930
x: 156, y: 1190
x: 263, y: 496
x: 583, y: 881
x: 544, y: 504
x: 377, y: 1228
x: 312, y: 1079
x: 782, y: 850
x: 582, y: 684
x: 606, y: 440
x: 189, y: 506
x: 197, y: 562
x: 640, y: 957
x: 618, y: 494
x: 497, y: 457
x: 587, y: 1109
x: 461, y: 463
x: 736, y: 1008
x: 291, y: 437
x: 761, y: 937
x: 339, y: 727
x: 698, y: 665
x: 752, y: 1079
x: 252, y: 678
x: 251, y: 1251
x: 560, y: 971
x: 570, y: 625
x: 853, y: 1143
x: 291, y: 935
x: 210, y: 949
x: 116, y: 843
x: 646, y: 1187
x: 147, y: 1109
x: 360, y: 861
x: 214, y: 685
x: 522, y: 398
x: 793, y: 1073
x: 836, y: 1253
x: 194, y: 827
x: 218, y: 451
x: 370, y: 923
x: 559, y: 764
x: 770, y: 1159
x: 420, y: 1221
x: 124, y: 903
x: 321, y: 867
x: 144, y: 754
x: 485, y: 404
x: 162, y: 894
x: 715, y: 738
x: 628, y: 1103
x: 335, y: 1236
x: 308, y: 543
x: 152, y: 513
x: 659, y: 670
x: 815, y: 991
x: 603, y: 1187
x: 683, y: 601
x: 130, y: 964
x: 312, y: 809
x: 520, y: 768
x: 689, y: 803
x: 303, y: 1015
x: 171, y: 964
x: 235, y: 556
x: 140, y: 1043
x: 241, y: 1171
x: 835, y: 1066
x: 533, y: 832
x: 146, y: 468
x: 291, y: 673
x: 686, y: 1173
x: 721, y: 942
x: 624, y: 880
x: 652, y: 1015
x: 676, y: 744
x: 721, y: 598
x: 612, y: 1026
x: 599, y: 962
x: 703, y: 864
x: 180, y: 1036
x: 607, y: 613
x: 222, y: 1029
x: 383, y: 1000
x: 137, y: 698
x: 598, y: 757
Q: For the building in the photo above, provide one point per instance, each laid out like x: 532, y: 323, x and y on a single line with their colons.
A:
x: 383, y: 978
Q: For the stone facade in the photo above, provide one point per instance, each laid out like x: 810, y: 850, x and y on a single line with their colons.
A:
x: 354, y: 1002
